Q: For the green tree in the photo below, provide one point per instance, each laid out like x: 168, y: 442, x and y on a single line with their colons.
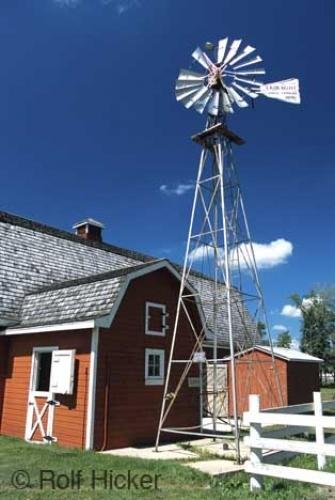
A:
x: 284, y: 339
x: 318, y: 321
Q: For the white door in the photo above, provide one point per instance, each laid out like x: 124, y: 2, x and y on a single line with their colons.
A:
x: 221, y: 391
x: 41, y: 404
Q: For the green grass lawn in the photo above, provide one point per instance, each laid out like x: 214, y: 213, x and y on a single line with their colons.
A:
x: 173, y: 480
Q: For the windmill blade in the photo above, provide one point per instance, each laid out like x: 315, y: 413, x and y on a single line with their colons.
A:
x: 202, y: 103
x: 248, y: 50
x: 284, y: 90
x: 222, y: 45
x: 181, y: 95
x: 194, y: 98
x: 186, y: 74
x: 251, y: 72
x: 202, y: 58
x: 185, y: 84
x: 248, y: 92
x: 235, y: 96
x: 228, y: 108
x: 255, y: 60
x: 214, y: 103
x: 232, y: 51
x: 250, y: 82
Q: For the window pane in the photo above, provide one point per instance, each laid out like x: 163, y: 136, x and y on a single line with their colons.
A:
x: 154, y: 365
x: 43, y: 371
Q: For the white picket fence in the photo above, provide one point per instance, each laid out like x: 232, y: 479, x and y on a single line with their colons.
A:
x: 268, y: 447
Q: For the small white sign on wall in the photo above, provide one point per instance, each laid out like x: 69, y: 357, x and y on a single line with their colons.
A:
x: 62, y: 371
x: 199, y: 357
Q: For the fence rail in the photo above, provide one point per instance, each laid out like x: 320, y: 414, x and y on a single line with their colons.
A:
x: 293, y: 422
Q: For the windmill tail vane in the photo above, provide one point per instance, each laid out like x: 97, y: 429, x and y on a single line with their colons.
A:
x: 232, y: 78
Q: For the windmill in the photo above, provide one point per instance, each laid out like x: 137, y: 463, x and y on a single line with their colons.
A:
x: 220, y: 258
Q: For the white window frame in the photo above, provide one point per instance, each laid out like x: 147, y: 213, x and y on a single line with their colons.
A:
x: 34, y: 369
x: 162, y: 307
x: 150, y: 380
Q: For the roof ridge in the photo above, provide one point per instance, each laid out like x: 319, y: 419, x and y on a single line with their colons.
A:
x: 92, y: 278
x: 16, y: 220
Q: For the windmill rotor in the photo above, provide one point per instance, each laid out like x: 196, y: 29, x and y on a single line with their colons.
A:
x: 230, y: 79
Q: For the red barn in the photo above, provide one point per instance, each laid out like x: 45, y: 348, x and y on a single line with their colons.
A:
x: 85, y: 333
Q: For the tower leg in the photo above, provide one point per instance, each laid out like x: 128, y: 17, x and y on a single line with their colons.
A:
x: 180, y: 297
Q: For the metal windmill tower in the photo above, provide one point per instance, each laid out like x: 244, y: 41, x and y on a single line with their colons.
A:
x: 219, y: 254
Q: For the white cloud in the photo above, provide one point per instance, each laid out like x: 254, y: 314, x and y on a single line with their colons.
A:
x: 267, y: 255
x: 178, y: 190
x: 307, y: 303
x: 291, y: 311
x: 202, y: 252
x: 279, y: 328
x: 295, y: 312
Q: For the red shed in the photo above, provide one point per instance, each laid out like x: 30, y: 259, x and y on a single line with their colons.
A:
x: 296, y: 372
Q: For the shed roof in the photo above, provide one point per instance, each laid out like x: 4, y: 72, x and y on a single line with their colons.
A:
x: 282, y: 353
x: 290, y: 354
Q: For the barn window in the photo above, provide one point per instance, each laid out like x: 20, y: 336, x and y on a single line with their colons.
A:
x: 154, y: 366
x: 42, y: 358
x: 155, y: 319
x: 43, y: 371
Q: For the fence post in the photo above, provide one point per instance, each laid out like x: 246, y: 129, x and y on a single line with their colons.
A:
x: 256, y: 480
x: 319, y: 434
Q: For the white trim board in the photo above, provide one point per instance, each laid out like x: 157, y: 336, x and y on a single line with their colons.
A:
x: 90, y: 420
x: 77, y: 325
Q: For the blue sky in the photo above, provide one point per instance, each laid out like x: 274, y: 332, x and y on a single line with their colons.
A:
x: 89, y: 125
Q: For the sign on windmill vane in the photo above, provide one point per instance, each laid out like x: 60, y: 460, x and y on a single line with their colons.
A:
x: 285, y: 90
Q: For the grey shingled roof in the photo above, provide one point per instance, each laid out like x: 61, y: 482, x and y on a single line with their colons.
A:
x: 33, y: 255
x: 37, y: 262
x: 241, y: 319
x: 75, y: 300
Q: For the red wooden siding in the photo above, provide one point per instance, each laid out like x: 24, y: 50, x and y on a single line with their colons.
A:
x: 133, y: 407
x: 70, y: 417
x: 255, y: 374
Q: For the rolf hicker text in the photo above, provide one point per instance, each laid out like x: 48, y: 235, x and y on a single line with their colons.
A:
x: 95, y: 479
